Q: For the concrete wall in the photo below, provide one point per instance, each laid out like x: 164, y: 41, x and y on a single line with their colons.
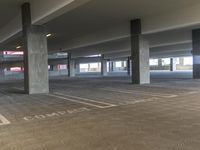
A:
x: 11, y: 75
x: 160, y: 67
x: 178, y: 67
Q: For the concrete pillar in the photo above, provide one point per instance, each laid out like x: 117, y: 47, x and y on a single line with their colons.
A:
x: 196, y: 53
x: 77, y: 66
x: 114, y: 66
x: 88, y: 68
x: 111, y: 66
x: 172, y: 64
x: 71, y: 65
x: 123, y: 65
x: 139, y: 55
x: 72, y: 68
x: 51, y: 68
x: 2, y: 72
x: 55, y: 67
x: 129, y: 66
x: 1, y: 65
x: 181, y: 61
x: 68, y: 63
x: 6, y: 69
x: 103, y: 66
x: 35, y: 55
x: 160, y: 63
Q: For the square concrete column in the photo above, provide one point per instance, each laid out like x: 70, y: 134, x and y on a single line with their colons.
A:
x: 122, y: 62
x: 55, y: 67
x: 1, y: 65
x: 160, y: 63
x: 196, y: 53
x: 139, y: 55
x: 129, y: 66
x: 110, y: 66
x: 2, y: 70
x: 71, y: 66
x: 181, y: 61
x: 103, y: 66
x: 68, y: 63
x: 51, y: 68
x: 172, y: 64
x: 77, y: 66
x: 35, y: 55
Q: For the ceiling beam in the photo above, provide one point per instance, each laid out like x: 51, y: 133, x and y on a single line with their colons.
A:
x: 42, y: 12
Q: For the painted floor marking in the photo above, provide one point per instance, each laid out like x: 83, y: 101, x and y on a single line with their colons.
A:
x: 55, y: 114
x: 140, y: 101
x: 86, y: 99
x: 81, y: 102
x: 140, y: 92
x: 3, y: 120
x: 192, y: 92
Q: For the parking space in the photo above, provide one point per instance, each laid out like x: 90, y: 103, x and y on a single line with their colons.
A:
x: 101, y: 113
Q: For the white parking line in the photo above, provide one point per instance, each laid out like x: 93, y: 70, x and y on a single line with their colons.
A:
x: 86, y: 99
x: 3, y: 120
x: 139, y: 101
x: 85, y: 102
x: 192, y: 92
x: 140, y: 92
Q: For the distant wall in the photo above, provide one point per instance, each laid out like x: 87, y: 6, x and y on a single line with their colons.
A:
x: 11, y: 75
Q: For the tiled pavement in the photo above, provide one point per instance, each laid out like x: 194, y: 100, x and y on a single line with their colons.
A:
x: 101, y: 114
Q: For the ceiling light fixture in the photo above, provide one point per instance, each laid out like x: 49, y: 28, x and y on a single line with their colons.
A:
x: 18, y: 47
x: 48, y: 35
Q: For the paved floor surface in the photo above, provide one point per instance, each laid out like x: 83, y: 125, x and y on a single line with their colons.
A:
x: 101, y: 114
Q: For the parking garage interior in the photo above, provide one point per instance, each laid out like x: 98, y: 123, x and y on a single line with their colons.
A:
x: 99, y: 75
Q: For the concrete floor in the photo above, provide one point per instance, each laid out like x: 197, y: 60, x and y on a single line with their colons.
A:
x: 101, y: 114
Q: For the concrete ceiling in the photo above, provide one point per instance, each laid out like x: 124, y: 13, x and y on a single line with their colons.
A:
x: 98, y: 15
x: 8, y: 10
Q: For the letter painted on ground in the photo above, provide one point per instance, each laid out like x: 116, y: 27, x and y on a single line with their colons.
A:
x: 3, y: 120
